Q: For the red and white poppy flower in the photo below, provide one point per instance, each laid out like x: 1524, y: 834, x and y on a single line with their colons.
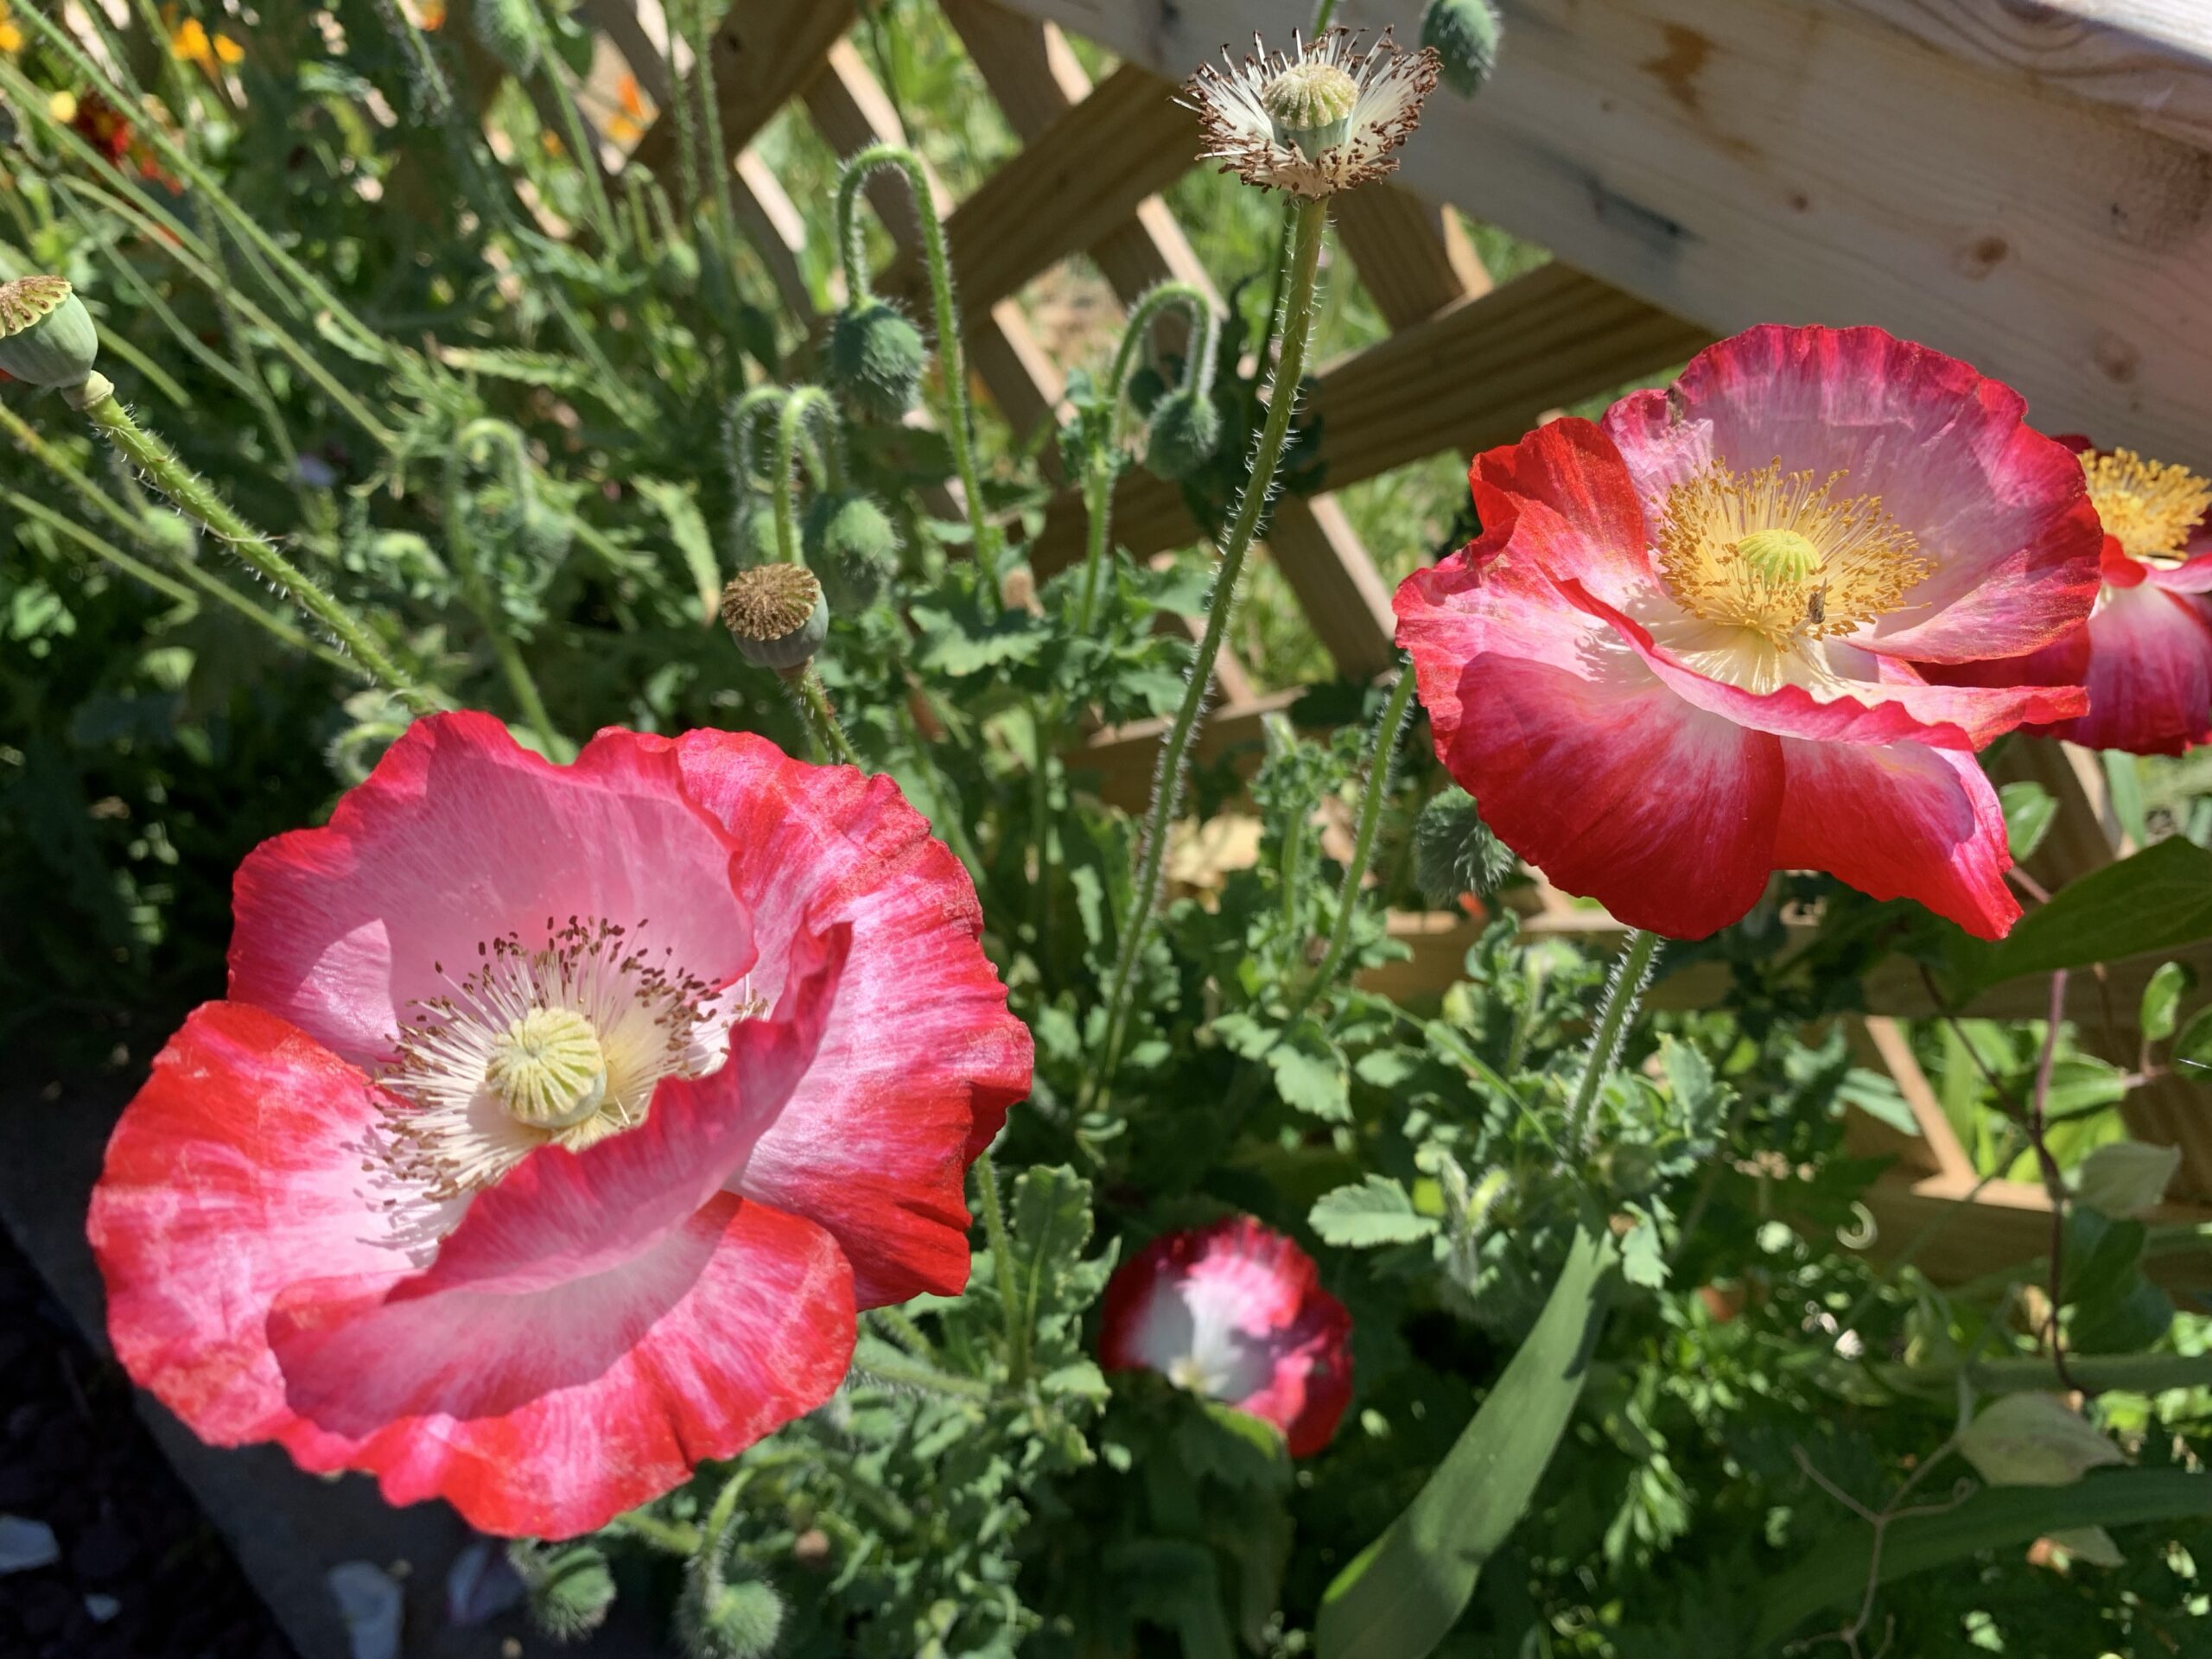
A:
x: 2146, y: 652
x: 558, y: 1120
x: 1681, y: 657
x: 1235, y: 1312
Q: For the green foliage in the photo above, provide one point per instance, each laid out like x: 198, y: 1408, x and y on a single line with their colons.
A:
x: 513, y: 455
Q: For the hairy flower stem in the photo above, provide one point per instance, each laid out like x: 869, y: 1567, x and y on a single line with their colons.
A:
x: 912, y: 1374
x: 1099, y: 476
x: 1002, y: 1269
x: 790, y: 435
x: 1387, y: 733
x: 1624, y: 993
x: 196, y: 497
x: 1308, y: 220
x: 578, y: 136
x: 951, y: 363
x: 822, y: 716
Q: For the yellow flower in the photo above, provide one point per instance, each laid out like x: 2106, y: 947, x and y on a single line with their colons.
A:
x: 191, y: 43
x: 62, y: 106
x: 11, y: 37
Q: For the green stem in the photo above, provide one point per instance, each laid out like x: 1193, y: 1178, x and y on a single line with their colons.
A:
x: 197, y: 498
x: 599, y: 203
x: 1387, y: 733
x: 1624, y: 993
x: 1308, y: 220
x: 790, y: 434
x: 912, y: 1374
x: 713, y: 156
x: 822, y: 715
x: 476, y: 593
x: 675, y: 1537
x: 1098, y: 477
x: 1002, y: 1269
x: 951, y: 361
x: 1042, y: 738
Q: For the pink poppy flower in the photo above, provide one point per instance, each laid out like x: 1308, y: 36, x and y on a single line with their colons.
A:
x: 1235, y: 1312
x: 2146, y: 652
x: 1681, y: 655
x: 558, y: 1120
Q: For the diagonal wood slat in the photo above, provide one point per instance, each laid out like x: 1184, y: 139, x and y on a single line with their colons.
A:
x: 763, y: 54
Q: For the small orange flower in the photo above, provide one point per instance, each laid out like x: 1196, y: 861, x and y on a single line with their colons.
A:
x: 627, y: 125
x: 430, y: 14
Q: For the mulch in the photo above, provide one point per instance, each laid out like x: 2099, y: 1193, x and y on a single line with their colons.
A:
x: 74, y: 1455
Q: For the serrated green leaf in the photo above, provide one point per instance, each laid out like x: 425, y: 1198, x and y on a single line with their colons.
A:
x: 1311, y: 1075
x: 505, y: 363
x: 688, y: 529
x: 1374, y: 1211
x: 1642, y: 1263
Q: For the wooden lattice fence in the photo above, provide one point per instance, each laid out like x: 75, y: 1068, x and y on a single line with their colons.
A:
x: 2026, y: 186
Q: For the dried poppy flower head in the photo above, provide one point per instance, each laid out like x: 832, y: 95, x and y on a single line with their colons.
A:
x: 1322, y: 117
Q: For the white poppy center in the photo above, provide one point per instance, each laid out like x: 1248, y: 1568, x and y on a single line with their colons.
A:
x: 563, y: 1044
x: 1193, y: 1333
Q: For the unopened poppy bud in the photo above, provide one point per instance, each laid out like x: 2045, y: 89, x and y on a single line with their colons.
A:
x: 569, y: 1587
x: 508, y: 30
x: 1454, y: 851
x: 874, y: 360
x: 47, y: 337
x: 2126, y: 1178
x: 852, y: 546
x: 2035, y: 1439
x: 1145, y: 388
x: 1185, y: 432
x: 721, y: 1620
x: 752, y: 533
x: 1311, y: 105
x: 777, y: 615
x: 1464, y: 33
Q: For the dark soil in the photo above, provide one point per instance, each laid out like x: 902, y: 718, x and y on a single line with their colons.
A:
x: 74, y: 1455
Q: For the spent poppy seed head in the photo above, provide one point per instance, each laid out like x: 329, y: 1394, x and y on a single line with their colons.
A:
x: 1323, y: 117
x: 47, y: 337
x: 777, y: 615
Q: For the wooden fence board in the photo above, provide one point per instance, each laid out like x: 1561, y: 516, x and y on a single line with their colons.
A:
x: 763, y: 55
x: 1741, y: 160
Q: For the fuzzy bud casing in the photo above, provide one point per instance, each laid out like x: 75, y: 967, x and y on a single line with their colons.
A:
x: 875, y: 358
x: 508, y: 30
x: 570, y: 1586
x: 853, y: 546
x: 47, y: 337
x: 719, y: 1619
x: 752, y: 533
x: 1464, y: 33
x: 777, y: 615
x: 1185, y: 432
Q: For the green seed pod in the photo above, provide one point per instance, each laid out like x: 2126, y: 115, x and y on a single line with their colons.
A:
x: 777, y: 615
x: 1454, y: 851
x: 874, y: 360
x: 720, y: 1620
x: 1185, y: 431
x: 1309, y: 104
x: 508, y: 30
x: 569, y: 1587
x: 47, y: 337
x: 853, y: 546
x: 675, y: 267
x: 752, y: 533
x: 1464, y: 33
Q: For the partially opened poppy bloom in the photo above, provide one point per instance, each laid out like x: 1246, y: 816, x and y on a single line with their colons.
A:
x: 1235, y: 1313
x: 558, y: 1120
x: 1681, y: 657
x: 2146, y: 652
